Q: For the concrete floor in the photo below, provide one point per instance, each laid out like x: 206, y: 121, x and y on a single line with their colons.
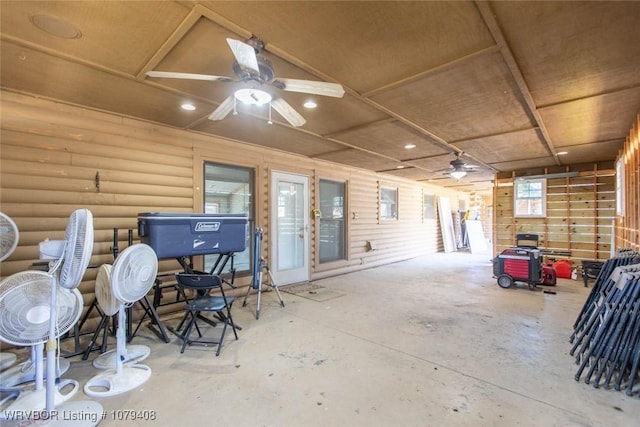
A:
x: 432, y: 341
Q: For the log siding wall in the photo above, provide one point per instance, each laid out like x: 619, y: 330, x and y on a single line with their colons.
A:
x: 56, y: 158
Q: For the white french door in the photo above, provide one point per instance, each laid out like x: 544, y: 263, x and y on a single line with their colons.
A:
x: 289, y: 236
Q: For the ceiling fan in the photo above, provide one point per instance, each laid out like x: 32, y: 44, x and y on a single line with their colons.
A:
x: 458, y: 168
x: 258, y: 72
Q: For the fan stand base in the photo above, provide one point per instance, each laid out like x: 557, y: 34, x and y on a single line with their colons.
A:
x: 111, y: 383
x: 134, y: 354
x: 27, y: 403
x: 70, y: 414
x: 20, y: 376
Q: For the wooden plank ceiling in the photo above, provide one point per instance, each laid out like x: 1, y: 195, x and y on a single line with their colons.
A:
x: 509, y: 84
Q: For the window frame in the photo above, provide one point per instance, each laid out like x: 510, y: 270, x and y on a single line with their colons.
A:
x: 542, y: 198
x: 394, y: 216
x: 344, y: 220
x: 620, y: 183
x: 252, y: 173
x: 429, y: 209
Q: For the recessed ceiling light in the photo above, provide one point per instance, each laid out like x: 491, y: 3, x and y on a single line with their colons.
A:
x: 410, y: 146
x: 310, y: 104
x: 56, y: 26
x: 188, y: 106
x: 562, y: 153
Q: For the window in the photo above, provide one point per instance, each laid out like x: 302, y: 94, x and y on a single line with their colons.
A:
x: 428, y: 206
x: 332, y: 221
x: 620, y: 187
x: 229, y: 189
x: 388, y: 203
x: 530, y: 197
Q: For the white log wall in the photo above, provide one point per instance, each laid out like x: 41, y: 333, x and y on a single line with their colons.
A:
x: 56, y: 158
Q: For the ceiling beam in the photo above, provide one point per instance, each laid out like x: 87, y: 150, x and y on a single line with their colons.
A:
x: 443, y: 67
x: 493, y: 135
x: 422, y: 131
x: 187, y: 23
x: 591, y: 96
x: 337, y: 133
x: 492, y: 25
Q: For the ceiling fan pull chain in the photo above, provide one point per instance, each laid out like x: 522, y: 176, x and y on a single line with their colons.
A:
x: 270, y: 122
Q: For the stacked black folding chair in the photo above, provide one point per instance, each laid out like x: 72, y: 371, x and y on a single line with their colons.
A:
x: 606, y: 337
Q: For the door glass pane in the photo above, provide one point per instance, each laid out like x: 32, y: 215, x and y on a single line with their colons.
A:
x: 229, y: 189
x: 290, y: 225
x: 332, y: 225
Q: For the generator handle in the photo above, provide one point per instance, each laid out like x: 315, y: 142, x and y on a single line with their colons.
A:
x: 527, y: 237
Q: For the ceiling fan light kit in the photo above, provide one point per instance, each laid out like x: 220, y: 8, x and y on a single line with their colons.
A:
x: 253, y: 96
x: 249, y: 68
x: 458, y: 174
x: 458, y: 169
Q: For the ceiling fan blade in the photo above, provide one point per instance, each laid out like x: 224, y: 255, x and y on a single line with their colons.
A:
x: 223, y: 109
x: 245, y: 55
x: 316, y: 88
x: 190, y: 76
x: 287, y: 111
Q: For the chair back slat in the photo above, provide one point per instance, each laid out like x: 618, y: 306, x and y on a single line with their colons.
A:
x: 199, y: 281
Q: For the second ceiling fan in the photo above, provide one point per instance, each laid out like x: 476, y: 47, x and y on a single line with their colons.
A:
x: 458, y: 169
x: 250, y: 67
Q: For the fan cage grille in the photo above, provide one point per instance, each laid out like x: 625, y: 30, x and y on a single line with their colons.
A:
x: 105, y: 297
x: 134, y: 272
x: 25, y: 307
x: 9, y: 236
x: 78, y: 248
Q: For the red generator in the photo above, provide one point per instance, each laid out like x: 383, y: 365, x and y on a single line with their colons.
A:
x: 523, y: 263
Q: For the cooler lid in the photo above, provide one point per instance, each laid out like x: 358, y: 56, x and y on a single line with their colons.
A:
x: 178, y: 215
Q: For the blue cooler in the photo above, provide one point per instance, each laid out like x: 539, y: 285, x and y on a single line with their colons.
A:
x: 175, y: 235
